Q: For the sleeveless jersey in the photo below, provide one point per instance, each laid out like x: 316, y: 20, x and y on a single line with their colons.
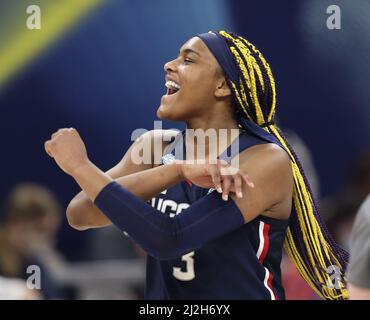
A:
x: 242, y: 264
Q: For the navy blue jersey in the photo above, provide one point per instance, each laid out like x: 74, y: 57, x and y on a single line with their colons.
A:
x: 243, y: 264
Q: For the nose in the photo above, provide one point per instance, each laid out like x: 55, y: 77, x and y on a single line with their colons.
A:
x: 170, y: 66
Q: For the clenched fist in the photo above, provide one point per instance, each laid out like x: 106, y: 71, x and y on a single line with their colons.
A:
x: 67, y: 149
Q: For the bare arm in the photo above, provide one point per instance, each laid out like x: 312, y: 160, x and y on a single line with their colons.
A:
x: 269, y: 167
x: 82, y: 214
x: 162, y: 236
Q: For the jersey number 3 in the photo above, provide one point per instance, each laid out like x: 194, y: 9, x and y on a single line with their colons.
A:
x: 188, y: 274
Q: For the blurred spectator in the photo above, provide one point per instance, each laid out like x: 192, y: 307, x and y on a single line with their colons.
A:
x: 342, y: 217
x: 359, y: 267
x: 28, y: 235
x: 358, y: 186
x: 342, y: 208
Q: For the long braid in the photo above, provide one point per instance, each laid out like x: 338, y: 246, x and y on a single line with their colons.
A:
x: 307, y: 242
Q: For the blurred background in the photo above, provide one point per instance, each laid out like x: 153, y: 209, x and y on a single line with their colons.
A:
x: 98, y: 66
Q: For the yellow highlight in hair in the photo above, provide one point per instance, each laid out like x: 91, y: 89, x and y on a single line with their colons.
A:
x: 320, y: 255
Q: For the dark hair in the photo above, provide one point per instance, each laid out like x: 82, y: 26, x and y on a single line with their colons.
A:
x: 29, y: 201
x: 308, y: 243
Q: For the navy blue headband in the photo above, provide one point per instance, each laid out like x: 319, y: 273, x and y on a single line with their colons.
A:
x: 219, y: 48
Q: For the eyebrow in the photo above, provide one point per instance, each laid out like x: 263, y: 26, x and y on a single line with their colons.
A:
x: 188, y: 50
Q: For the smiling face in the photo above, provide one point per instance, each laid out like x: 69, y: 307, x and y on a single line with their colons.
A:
x: 194, y: 82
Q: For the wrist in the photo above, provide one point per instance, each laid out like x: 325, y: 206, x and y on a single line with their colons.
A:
x: 178, y: 164
x: 82, y: 168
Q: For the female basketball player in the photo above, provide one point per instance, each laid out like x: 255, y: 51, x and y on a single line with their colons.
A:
x: 202, y: 244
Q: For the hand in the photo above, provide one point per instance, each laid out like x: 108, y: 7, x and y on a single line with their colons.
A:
x: 220, y: 176
x: 67, y: 149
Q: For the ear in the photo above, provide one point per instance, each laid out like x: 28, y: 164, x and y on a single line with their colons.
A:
x: 222, y: 89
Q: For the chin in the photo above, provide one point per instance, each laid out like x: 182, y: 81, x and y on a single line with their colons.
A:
x: 166, y: 113
x: 161, y: 113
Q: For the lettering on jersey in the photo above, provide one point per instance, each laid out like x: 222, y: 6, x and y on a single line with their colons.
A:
x: 172, y: 208
x: 168, y: 206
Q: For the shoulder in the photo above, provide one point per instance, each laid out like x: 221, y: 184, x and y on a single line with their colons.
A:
x: 266, y: 156
x: 144, y: 153
x: 269, y: 167
x: 153, y: 143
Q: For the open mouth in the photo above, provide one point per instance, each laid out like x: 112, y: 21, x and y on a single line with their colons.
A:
x: 172, y: 87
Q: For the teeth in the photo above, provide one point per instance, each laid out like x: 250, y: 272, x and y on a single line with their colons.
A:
x: 172, y: 85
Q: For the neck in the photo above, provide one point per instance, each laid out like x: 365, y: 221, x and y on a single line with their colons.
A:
x: 210, y: 136
x: 209, y: 122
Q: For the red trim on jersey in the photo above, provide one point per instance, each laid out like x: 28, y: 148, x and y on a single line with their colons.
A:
x: 269, y: 283
x: 266, y: 242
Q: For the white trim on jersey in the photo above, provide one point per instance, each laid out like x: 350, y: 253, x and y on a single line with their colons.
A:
x: 262, y: 248
x: 262, y: 239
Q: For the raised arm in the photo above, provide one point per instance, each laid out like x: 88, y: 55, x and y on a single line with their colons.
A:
x: 82, y: 214
x: 155, y: 232
x: 206, y: 219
